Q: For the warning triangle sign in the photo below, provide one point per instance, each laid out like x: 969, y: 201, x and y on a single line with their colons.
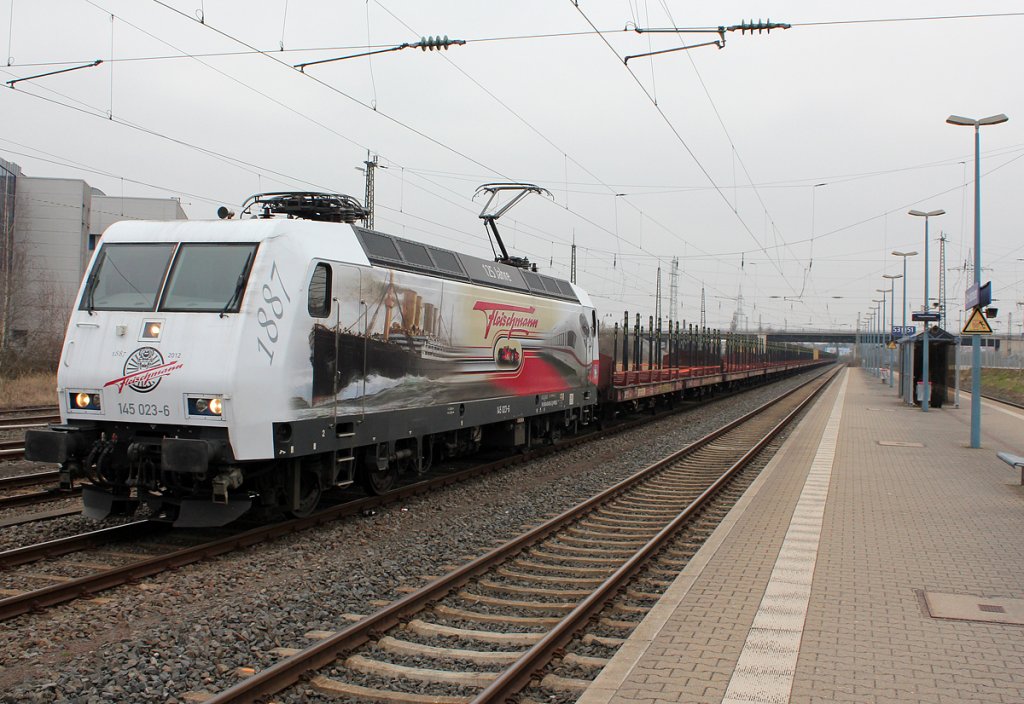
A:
x: 891, y: 345
x: 977, y: 324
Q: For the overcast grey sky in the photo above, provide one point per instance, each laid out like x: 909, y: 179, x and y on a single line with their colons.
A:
x: 781, y: 166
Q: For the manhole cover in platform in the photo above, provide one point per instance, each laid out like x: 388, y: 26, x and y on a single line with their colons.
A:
x: 899, y: 443
x: 966, y: 607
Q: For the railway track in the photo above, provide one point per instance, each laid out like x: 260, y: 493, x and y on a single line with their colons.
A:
x: 12, y: 494
x: 12, y: 449
x: 21, y: 419
x: 1003, y: 401
x: 29, y: 417
x: 84, y: 577
x: 489, y: 628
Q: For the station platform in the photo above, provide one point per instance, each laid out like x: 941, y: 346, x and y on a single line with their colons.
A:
x: 877, y: 558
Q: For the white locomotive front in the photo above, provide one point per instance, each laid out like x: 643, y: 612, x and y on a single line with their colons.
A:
x: 213, y: 366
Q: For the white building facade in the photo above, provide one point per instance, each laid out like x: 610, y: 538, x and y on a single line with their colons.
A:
x: 49, y: 228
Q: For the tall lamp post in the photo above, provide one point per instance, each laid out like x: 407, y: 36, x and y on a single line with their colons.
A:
x: 892, y: 316
x: 881, y: 339
x: 879, y: 306
x: 906, y: 380
x: 975, y: 340
x: 926, y: 386
x: 869, y: 334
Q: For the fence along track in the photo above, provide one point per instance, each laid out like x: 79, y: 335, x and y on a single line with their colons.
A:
x: 527, y: 598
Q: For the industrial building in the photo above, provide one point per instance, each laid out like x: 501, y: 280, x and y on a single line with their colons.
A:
x: 49, y: 228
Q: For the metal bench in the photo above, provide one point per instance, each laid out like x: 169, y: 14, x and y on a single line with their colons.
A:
x: 1014, y: 461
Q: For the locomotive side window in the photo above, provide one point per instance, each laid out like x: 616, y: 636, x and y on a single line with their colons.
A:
x: 127, y: 277
x: 446, y: 261
x: 380, y: 246
x: 208, y: 277
x: 319, y: 301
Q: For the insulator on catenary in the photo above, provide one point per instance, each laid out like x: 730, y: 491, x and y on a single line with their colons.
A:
x: 438, y: 43
x: 761, y: 26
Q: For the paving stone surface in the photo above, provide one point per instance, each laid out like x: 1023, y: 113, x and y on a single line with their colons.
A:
x: 899, y: 522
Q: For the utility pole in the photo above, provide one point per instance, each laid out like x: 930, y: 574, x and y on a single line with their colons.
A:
x: 572, y: 261
x: 942, y: 276
x: 657, y: 298
x: 703, y: 310
x: 673, y: 289
x: 369, y: 200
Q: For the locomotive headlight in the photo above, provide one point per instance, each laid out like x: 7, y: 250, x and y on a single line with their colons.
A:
x: 83, y: 400
x: 205, y: 406
x: 151, y: 330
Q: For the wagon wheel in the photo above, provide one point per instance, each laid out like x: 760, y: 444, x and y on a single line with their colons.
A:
x: 380, y: 481
x: 309, y: 494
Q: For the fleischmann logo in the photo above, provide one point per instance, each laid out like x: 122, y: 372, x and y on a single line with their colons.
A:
x: 143, y: 370
x: 507, y: 317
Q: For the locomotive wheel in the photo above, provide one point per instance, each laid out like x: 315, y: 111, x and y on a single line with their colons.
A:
x: 380, y: 481
x: 309, y: 488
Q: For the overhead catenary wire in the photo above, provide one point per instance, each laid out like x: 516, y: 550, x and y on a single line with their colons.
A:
x: 566, y: 156
x: 503, y: 38
x: 680, y: 139
x: 352, y: 98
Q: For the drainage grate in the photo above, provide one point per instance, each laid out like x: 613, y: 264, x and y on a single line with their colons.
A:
x: 992, y: 608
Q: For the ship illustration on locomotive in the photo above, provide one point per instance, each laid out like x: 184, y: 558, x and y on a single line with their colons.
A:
x: 211, y: 367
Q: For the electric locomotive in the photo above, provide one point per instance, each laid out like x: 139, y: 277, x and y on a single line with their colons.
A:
x: 210, y: 367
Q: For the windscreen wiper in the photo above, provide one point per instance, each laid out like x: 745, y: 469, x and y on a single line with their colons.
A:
x: 90, y: 290
x: 239, y: 286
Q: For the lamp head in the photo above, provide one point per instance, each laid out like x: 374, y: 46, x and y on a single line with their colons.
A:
x: 969, y: 122
x: 905, y: 254
x: 993, y: 120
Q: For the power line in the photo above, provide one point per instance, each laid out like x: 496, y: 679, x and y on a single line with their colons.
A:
x: 930, y: 18
x: 682, y: 141
x: 494, y: 39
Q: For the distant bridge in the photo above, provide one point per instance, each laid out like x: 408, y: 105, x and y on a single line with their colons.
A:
x: 849, y: 337
x: 832, y: 337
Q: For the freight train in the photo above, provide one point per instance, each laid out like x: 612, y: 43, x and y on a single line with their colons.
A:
x: 211, y: 367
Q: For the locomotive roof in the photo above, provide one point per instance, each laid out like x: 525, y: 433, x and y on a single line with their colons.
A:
x: 398, y: 253
x: 324, y: 240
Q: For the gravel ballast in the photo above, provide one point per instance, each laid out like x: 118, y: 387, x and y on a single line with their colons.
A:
x: 190, y: 630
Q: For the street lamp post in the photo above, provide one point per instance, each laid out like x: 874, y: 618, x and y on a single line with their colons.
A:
x: 926, y: 386
x: 881, y: 349
x: 906, y: 379
x: 975, y: 340
x: 892, y: 317
x: 879, y: 320
x: 869, y: 334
